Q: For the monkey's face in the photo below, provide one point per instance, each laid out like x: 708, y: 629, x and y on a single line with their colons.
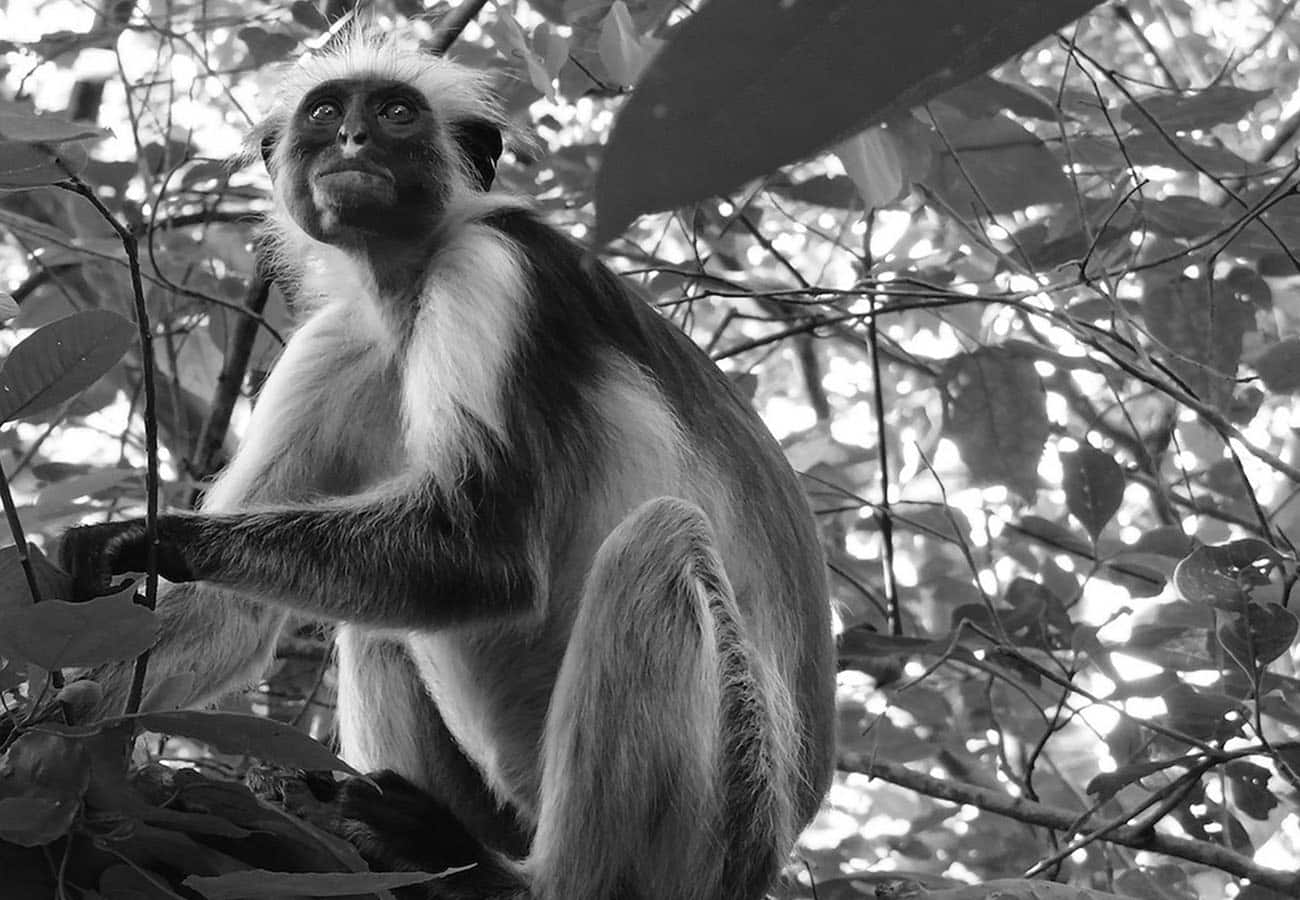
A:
x: 364, y: 163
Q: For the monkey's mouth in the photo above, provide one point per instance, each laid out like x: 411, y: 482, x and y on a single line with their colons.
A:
x: 353, y: 184
x: 354, y: 173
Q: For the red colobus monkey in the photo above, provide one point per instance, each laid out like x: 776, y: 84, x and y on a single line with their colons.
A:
x: 581, y: 600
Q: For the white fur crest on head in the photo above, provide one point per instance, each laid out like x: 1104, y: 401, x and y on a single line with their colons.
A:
x: 456, y: 91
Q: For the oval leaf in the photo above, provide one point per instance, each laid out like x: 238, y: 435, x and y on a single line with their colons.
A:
x: 269, y: 741
x: 1217, y: 575
x: 872, y: 161
x: 60, y: 360
x: 998, y: 418
x: 18, y: 123
x: 745, y: 86
x: 54, y: 634
x: 1094, y: 487
x: 1264, y: 633
x: 51, y: 581
x: 42, y: 779
x: 1279, y: 367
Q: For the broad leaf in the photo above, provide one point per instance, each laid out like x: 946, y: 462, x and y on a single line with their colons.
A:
x: 51, y: 581
x: 1200, y: 110
x: 42, y: 779
x: 265, y: 739
x: 18, y: 123
x: 1094, y: 487
x: 60, y: 360
x: 1279, y: 367
x: 254, y: 884
x: 747, y: 85
x: 54, y: 634
x: 1263, y: 633
x: 997, y: 418
x: 1218, y: 575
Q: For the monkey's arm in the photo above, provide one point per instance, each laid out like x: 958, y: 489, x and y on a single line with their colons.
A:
x: 394, y: 558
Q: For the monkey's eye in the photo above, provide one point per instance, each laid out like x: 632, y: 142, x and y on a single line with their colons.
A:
x: 325, y: 111
x: 399, y: 112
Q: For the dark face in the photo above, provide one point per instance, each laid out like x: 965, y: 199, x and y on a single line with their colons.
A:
x: 365, y: 163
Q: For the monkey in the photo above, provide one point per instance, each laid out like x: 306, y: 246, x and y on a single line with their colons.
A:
x: 580, y: 598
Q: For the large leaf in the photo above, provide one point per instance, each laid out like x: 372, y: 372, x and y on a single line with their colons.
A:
x: 234, y: 733
x: 1094, y: 487
x: 747, y: 85
x: 254, y: 884
x: 42, y: 779
x: 14, y: 589
x: 1222, y: 103
x: 60, y: 360
x: 1203, y: 325
x: 54, y: 634
x: 996, y: 166
x: 998, y: 417
x: 18, y: 123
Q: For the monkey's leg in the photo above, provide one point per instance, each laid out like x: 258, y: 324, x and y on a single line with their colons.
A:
x: 210, y: 642
x: 388, y: 721
x: 667, y: 753
x: 431, y: 810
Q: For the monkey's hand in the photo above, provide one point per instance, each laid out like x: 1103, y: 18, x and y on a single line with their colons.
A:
x: 93, y: 554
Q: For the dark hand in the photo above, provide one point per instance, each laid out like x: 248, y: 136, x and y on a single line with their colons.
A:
x: 93, y: 554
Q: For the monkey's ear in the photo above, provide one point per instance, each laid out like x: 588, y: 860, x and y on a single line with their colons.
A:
x: 261, y: 143
x: 480, y: 143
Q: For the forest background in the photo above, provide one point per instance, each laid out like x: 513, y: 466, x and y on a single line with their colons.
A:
x: 1032, y: 337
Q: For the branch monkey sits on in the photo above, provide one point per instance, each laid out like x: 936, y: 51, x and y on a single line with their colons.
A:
x: 581, y: 600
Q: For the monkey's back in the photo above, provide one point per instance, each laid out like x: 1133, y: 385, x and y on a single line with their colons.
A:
x: 662, y: 421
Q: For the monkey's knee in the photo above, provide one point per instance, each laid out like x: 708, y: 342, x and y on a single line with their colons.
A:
x: 662, y: 551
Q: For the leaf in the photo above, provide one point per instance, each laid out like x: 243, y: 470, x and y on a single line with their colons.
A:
x: 1181, y: 216
x: 834, y: 191
x: 267, y: 47
x: 1094, y: 487
x: 553, y: 48
x: 43, y: 777
x: 1217, y: 575
x: 60, y: 360
x: 25, y: 166
x: 1108, y: 784
x: 1053, y: 535
x: 997, y: 417
x: 55, y: 634
x: 624, y: 52
x: 1262, y: 634
x: 1185, y: 155
x: 87, y: 485
x: 1199, y: 110
x: 233, y: 733
x: 307, y: 15
x: 1204, y: 327
x: 254, y: 884
x: 1250, y: 791
x: 984, y: 96
x: 20, y: 124
x: 745, y: 86
x: 51, y: 581
x: 1168, y: 540
x: 1203, y: 715
x: 996, y: 165
x: 871, y: 159
x: 8, y: 307
x: 1279, y: 367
